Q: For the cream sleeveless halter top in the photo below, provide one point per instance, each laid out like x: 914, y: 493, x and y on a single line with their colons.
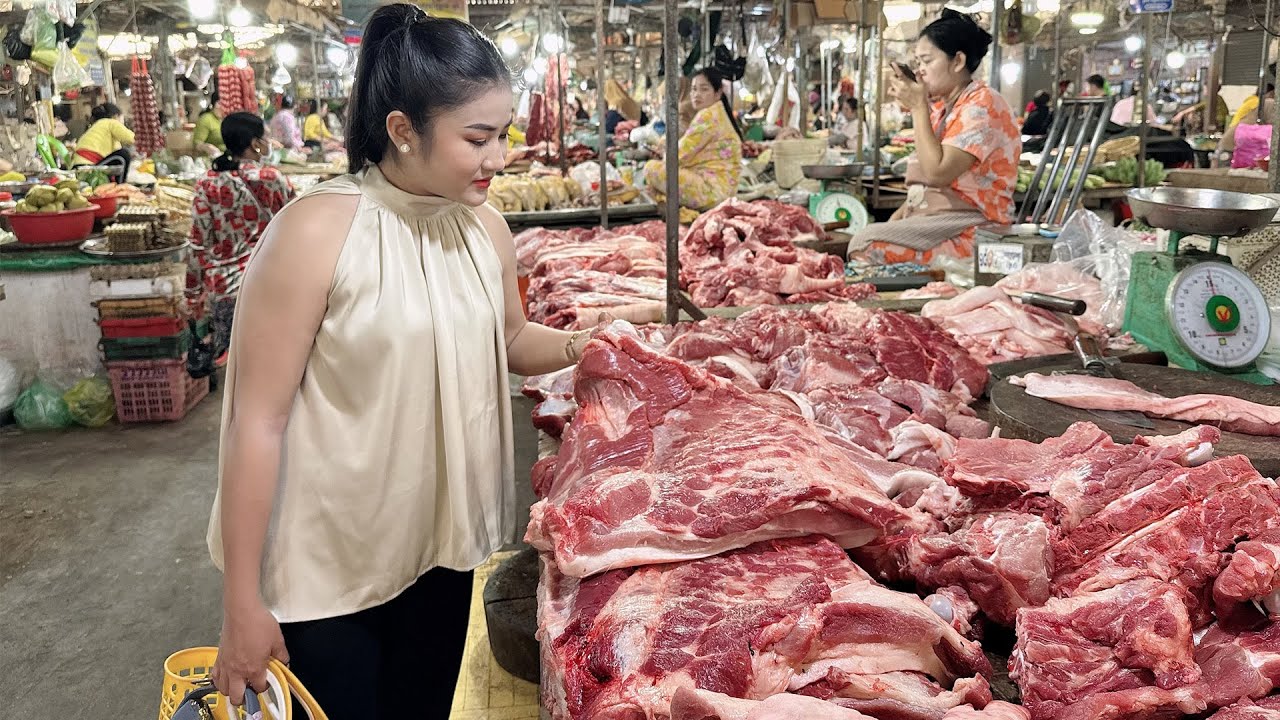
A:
x: 398, y: 453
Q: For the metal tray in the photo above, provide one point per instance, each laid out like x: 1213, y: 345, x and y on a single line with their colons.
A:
x: 97, y: 246
x: 832, y: 172
x: 1215, y: 213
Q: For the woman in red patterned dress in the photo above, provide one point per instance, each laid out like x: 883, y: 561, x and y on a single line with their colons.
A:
x: 233, y: 204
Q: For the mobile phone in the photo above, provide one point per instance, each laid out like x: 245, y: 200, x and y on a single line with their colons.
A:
x: 906, y: 71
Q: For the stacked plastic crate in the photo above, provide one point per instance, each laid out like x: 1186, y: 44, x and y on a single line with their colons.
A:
x: 145, y: 320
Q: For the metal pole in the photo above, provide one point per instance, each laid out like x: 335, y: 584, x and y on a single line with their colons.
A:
x: 859, y: 56
x: 1144, y: 89
x: 1057, y: 55
x: 1266, y: 55
x: 315, y: 76
x: 600, y: 113
x: 1215, y: 71
x: 670, y: 61
x: 878, y: 78
x: 997, y: 17
x: 563, y: 89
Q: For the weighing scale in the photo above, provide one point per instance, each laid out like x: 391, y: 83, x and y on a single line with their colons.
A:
x: 1203, y: 312
x: 835, y: 203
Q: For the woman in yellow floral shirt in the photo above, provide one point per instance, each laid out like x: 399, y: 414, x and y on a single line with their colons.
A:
x: 710, y: 150
x: 967, y: 147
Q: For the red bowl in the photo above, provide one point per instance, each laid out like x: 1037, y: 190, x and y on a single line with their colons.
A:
x: 107, y: 207
x: 51, y: 228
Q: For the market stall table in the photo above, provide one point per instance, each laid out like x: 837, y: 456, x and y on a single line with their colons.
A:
x: 48, y: 318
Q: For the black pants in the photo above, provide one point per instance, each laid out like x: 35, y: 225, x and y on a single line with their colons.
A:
x: 115, y: 158
x: 397, y: 660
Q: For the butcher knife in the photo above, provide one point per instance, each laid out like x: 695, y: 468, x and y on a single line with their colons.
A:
x: 1095, y: 363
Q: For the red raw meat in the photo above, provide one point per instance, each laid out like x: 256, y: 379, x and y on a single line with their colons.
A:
x: 774, y: 617
x: 666, y: 462
x: 913, y: 348
x: 1252, y: 575
x: 1239, y: 666
x: 692, y: 704
x: 1186, y: 547
x: 997, y: 710
x: 995, y: 328
x: 1265, y: 709
x: 1093, y: 393
x: 1125, y: 652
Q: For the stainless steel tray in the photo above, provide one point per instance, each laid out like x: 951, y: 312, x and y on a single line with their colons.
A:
x: 98, y: 246
x: 1195, y: 211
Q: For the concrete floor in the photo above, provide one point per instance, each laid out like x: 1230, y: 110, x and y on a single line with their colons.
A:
x: 103, y: 565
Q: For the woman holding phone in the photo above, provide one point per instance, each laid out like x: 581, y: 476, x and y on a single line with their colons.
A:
x: 967, y: 146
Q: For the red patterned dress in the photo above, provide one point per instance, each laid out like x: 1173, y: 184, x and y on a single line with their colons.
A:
x: 229, y: 213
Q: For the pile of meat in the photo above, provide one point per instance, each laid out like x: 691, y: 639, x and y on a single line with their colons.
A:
x: 738, y: 254
x: 995, y: 327
x: 691, y: 528
x: 1141, y: 578
x: 691, y: 536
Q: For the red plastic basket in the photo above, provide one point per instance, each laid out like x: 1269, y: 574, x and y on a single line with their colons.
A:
x: 154, y: 390
x: 156, y: 326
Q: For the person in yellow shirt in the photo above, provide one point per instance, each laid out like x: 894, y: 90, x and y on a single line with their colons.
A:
x: 1250, y: 105
x: 106, y: 141
x: 314, y: 130
x: 208, y: 133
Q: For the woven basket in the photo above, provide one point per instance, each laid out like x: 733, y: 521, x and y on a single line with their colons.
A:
x: 790, y: 157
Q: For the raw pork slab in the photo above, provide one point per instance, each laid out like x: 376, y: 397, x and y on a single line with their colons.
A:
x: 693, y: 704
x: 1266, y: 709
x: 1252, y: 575
x: 1091, y: 393
x: 665, y: 462
x: 1239, y: 666
x: 1125, y: 652
x: 751, y: 623
x: 1176, y: 487
x: 995, y: 328
x: 997, y: 710
x: 1068, y: 478
x: 1185, y: 548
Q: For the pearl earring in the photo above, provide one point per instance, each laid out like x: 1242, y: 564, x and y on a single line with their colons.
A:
x: 404, y: 148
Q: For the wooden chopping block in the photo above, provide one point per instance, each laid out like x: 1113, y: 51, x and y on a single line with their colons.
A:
x: 1022, y: 416
x: 511, y: 614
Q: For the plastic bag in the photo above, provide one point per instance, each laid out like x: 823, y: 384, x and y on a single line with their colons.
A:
x: 10, y: 383
x: 90, y: 402
x: 588, y: 176
x: 67, y: 72
x: 41, y: 407
x: 38, y: 30
x: 1070, y: 279
x: 198, y: 71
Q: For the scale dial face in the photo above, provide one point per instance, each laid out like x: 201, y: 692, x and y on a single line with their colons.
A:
x: 1218, y: 314
x: 841, y: 207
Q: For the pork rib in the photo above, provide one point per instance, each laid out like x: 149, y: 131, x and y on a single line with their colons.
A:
x: 750, y: 623
x: 1238, y: 666
x: 665, y: 462
x: 1092, y: 393
x: 1125, y: 652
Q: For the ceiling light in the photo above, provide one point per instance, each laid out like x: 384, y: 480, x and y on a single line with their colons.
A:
x: 509, y: 46
x: 1132, y: 44
x: 552, y: 43
x: 281, y: 77
x: 1087, y: 18
x: 530, y: 75
x: 582, y: 86
x: 202, y: 9
x: 897, y: 13
x: 1048, y: 6
x: 1088, y: 30
x: 1010, y: 72
x: 287, y: 54
x: 1175, y: 60
x: 238, y: 16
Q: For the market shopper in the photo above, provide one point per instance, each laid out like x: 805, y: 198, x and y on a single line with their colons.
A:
x: 232, y: 206
x: 710, y: 156
x: 1095, y: 86
x: 1040, y: 116
x: 315, y: 130
x: 965, y: 166
x: 107, y: 140
x: 285, y: 128
x: 207, y: 136
x: 366, y: 457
